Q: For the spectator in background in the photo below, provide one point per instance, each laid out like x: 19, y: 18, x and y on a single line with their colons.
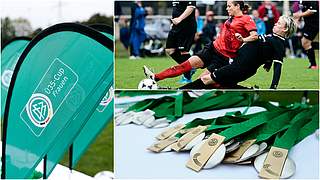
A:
x: 209, y: 30
x: 294, y: 43
x: 137, y: 33
x: 261, y: 27
x: 197, y: 37
x: 269, y: 14
x: 198, y: 20
x: 310, y: 14
x: 124, y: 32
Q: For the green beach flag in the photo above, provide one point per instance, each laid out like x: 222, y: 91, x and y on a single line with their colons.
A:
x: 99, y: 119
x: 57, y: 78
x: 10, y: 53
x: 94, y: 124
x: 104, y: 29
x: 89, y: 133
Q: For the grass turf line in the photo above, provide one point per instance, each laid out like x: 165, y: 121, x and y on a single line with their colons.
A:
x: 295, y: 75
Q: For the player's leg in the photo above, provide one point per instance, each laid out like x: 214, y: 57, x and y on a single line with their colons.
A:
x: 177, y: 55
x: 192, y: 62
x: 135, y: 46
x: 186, y: 39
x: 197, y: 84
x: 186, y: 78
x: 243, y: 66
x: 172, y: 47
x: 205, y: 72
x: 306, y: 44
x: 309, y: 34
x: 185, y: 43
x: 180, y: 57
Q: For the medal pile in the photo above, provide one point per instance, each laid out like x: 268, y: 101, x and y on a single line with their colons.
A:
x: 262, y: 139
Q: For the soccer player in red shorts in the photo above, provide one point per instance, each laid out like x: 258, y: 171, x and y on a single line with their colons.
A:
x: 238, y: 29
x: 267, y: 50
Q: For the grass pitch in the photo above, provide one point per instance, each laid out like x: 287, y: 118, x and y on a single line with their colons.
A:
x: 295, y: 75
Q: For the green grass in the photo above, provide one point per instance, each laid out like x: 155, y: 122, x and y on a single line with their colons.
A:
x: 295, y: 75
x: 129, y: 72
x: 99, y: 155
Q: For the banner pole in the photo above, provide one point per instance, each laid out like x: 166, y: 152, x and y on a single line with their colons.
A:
x: 70, y: 157
x: 45, y: 167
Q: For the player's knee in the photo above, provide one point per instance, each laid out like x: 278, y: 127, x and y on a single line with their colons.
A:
x: 306, y: 44
x: 170, y: 51
x: 196, y: 62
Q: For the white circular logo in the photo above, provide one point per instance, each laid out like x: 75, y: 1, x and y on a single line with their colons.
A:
x: 107, y: 98
x: 6, y: 77
x: 39, y: 109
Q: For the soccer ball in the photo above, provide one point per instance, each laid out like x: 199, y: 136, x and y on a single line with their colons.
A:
x: 147, y: 84
x: 104, y: 175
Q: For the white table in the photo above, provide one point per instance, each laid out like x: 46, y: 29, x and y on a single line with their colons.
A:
x: 133, y: 160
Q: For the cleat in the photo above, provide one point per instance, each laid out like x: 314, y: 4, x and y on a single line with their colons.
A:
x: 148, y: 73
x: 184, y: 80
x: 313, y: 67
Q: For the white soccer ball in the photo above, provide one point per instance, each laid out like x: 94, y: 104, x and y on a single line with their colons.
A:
x: 147, y: 84
x: 104, y: 175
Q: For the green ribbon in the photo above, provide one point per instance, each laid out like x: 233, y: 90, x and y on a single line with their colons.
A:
x: 250, y: 124
x: 212, y: 101
x: 289, y: 138
x: 308, y: 128
x: 277, y: 125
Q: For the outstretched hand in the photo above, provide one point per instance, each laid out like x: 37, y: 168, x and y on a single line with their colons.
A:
x: 239, y: 37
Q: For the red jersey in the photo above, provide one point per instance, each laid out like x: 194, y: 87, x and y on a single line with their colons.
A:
x: 227, y: 43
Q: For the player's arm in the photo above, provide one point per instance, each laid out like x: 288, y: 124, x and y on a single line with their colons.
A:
x: 277, y: 65
x: 251, y: 27
x: 307, y: 13
x: 252, y: 37
x: 184, y: 15
x: 310, y: 11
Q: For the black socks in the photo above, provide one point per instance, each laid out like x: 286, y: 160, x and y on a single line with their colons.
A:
x: 311, y: 57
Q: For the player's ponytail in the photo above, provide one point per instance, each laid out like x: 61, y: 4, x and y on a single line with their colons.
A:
x: 243, y: 7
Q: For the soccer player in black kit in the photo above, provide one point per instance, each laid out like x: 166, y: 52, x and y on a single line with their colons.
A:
x: 310, y: 14
x: 266, y: 50
x: 181, y: 35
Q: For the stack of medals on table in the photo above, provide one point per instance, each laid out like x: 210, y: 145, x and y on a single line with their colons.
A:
x: 262, y: 139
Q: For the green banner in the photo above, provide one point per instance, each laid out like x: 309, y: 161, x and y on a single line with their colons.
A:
x: 99, y: 119
x: 10, y: 54
x: 91, y: 127
x: 104, y: 29
x: 95, y: 123
x: 56, y: 79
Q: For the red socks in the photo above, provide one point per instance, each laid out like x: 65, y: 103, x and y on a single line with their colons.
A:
x: 174, y: 71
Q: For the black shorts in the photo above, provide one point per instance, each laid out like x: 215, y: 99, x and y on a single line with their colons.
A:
x: 181, y: 38
x: 243, y: 66
x: 211, y: 58
x: 310, y: 31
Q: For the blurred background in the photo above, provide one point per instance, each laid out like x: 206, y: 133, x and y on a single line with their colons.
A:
x: 29, y: 17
